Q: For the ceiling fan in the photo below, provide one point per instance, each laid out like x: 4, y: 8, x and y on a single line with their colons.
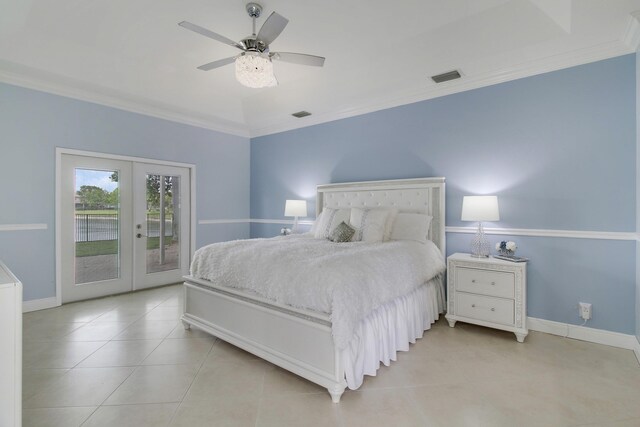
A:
x: 253, y: 66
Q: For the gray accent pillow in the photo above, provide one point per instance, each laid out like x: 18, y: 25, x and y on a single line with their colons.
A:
x: 342, y: 233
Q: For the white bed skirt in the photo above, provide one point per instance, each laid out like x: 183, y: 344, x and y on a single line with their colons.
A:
x: 389, y: 329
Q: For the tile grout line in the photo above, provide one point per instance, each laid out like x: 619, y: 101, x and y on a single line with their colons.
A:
x: 204, y: 359
x: 134, y: 368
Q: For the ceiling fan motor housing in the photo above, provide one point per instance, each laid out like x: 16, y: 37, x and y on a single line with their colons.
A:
x: 252, y: 44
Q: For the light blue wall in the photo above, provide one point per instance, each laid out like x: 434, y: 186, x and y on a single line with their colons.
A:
x: 559, y: 149
x: 34, y: 123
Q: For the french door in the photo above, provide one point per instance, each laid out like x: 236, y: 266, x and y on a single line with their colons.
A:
x: 161, y: 243
x: 125, y: 225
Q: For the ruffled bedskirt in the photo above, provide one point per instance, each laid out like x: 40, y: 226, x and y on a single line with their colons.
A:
x: 391, y: 328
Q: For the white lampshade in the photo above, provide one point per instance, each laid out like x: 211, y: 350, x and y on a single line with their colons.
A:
x: 480, y: 208
x: 295, y: 208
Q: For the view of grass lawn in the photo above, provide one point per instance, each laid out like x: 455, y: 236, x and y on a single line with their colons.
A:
x: 110, y: 247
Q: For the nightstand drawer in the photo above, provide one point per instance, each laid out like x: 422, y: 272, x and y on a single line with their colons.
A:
x: 489, y: 309
x: 493, y: 283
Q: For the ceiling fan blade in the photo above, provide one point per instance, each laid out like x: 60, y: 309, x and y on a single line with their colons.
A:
x: 272, y: 28
x: 207, y: 33
x: 216, y: 64
x: 299, y: 58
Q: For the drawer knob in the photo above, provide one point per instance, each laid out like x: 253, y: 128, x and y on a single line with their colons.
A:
x: 473, y: 280
x: 493, y: 283
x: 493, y: 309
x: 473, y: 305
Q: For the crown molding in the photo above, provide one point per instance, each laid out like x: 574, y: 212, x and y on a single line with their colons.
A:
x: 632, y: 33
x: 44, y: 81
x: 20, y: 75
x: 526, y: 69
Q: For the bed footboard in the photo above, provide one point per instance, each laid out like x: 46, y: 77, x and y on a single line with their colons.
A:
x: 300, y: 345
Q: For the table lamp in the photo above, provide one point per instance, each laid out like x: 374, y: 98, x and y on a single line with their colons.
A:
x: 295, y: 208
x: 480, y: 208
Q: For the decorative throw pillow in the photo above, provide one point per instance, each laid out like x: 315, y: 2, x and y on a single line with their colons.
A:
x: 328, y: 220
x: 411, y: 226
x: 342, y: 233
x: 369, y: 224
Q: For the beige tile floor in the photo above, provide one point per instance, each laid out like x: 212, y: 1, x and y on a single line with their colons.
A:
x: 127, y: 361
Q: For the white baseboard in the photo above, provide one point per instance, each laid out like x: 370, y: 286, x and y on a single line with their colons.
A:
x: 598, y: 336
x: 39, y: 304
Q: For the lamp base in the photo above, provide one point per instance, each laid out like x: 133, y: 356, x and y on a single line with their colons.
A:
x: 479, y: 256
x: 479, y: 245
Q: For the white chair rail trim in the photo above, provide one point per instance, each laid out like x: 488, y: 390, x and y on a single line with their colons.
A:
x: 530, y: 232
x: 22, y: 227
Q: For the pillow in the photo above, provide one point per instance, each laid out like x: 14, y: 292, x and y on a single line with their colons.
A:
x: 411, y: 226
x: 388, y: 227
x: 328, y: 220
x: 342, y: 233
x: 369, y: 224
x: 314, y: 226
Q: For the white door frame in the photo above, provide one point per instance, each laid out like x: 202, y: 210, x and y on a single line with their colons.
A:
x: 58, y: 234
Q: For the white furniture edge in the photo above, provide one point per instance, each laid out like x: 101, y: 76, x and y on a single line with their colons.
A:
x: 636, y: 349
x: 520, y: 326
x: 17, y: 348
x: 309, y: 350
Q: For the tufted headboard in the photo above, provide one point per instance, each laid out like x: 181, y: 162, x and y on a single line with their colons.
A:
x: 420, y: 195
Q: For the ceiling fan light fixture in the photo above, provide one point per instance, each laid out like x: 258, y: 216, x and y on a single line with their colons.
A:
x: 255, y: 70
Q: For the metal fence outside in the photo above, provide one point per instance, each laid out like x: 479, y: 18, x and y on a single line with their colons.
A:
x: 105, y: 226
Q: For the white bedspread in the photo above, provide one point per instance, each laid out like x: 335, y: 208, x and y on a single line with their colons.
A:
x: 347, y: 280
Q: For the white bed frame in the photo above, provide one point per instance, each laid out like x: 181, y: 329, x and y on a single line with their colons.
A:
x: 297, y: 340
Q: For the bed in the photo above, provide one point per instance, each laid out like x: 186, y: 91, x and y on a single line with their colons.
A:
x: 299, y: 339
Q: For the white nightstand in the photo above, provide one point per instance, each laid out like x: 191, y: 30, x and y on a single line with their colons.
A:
x: 488, y: 292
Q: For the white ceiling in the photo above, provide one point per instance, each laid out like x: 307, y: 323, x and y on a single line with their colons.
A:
x: 133, y: 55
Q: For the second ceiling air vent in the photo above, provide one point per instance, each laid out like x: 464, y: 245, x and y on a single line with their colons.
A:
x: 445, y: 77
x: 301, y: 114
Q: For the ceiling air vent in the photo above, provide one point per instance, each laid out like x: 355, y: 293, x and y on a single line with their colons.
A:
x: 445, y: 77
x: 301, y: 114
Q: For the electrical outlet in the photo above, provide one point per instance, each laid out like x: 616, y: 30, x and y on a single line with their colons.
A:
x: 584, y: 310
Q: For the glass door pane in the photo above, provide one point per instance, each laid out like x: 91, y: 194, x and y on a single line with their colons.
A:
x: 163, y: 223
x: 96, y: 225
x: 162, y: 220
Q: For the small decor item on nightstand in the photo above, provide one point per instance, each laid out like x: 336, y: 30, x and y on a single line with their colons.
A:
x: 506, y: 248
x: 285, y: 231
